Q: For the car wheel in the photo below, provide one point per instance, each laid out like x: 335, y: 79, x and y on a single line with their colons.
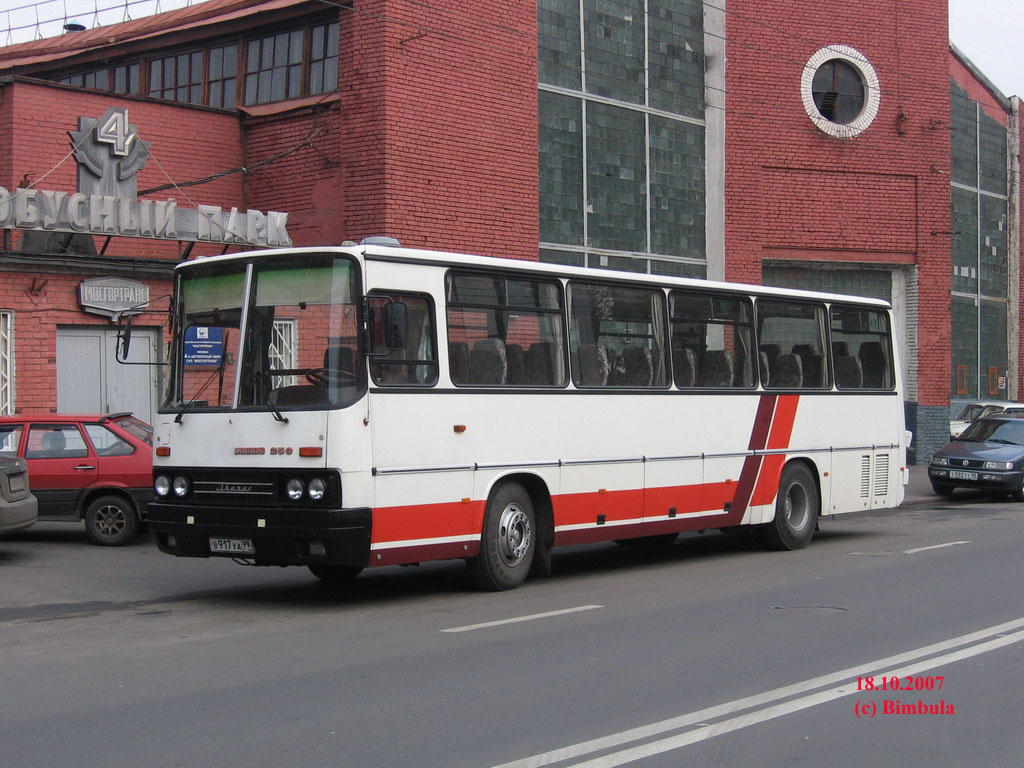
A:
x: 943, y: 489
x: 1018, y: 495
x: 111, y: 521
x: 796, y: 510
x: 508, y: 542
x: 335, y: 574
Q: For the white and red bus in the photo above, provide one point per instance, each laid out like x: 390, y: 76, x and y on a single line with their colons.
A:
x: 353, y: 407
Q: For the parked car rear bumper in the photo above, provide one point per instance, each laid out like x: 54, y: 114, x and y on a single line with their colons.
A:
x: 17, y: 515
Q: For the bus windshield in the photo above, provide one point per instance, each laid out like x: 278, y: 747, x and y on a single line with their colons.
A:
x: 298, y: 347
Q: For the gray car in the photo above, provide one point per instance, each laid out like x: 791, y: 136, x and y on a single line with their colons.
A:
x: 18, y: 508
x: 987, y: 456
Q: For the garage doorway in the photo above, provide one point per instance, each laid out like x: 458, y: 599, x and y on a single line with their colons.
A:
x: 90, y: 380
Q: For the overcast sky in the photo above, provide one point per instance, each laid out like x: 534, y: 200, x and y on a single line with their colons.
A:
x: 989, y: 32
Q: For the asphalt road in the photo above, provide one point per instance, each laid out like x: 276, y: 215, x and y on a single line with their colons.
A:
x: 704, y: 654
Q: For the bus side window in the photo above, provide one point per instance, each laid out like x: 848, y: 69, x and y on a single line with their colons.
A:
x: 416, y: 363
x: 712, y: 341
x: 617, y: 336
x: 791, y: 334
x: 505, y: 331
x: 862, y: 348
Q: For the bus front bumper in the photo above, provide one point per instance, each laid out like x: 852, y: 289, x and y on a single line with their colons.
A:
x: 263, y: 536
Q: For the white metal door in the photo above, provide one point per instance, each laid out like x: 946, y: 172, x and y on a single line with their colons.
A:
x: 90, y: 380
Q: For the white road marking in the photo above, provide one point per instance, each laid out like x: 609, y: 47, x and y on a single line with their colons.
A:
x: 518, y: 619
x: 934, y: 546
x: 844, y: 680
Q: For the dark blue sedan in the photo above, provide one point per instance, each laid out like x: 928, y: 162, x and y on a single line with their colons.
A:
x: 988, y: 456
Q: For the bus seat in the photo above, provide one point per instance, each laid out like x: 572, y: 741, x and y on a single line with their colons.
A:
x: 593, y: 362
x: 840, y: 349
x: 716, y: 368
x: 685, y: 362
x: 788, y: 372
x: 849, y: 372
x: 539, y: 363
x: 814, y: 370
x: 772, y: 351
x: 487, y: 363
x: 639, y: 366
x: 515, y: 359
x: 458, y: 361
x: 616, y: 368
x: 873, y: 363
x: 762, y: 358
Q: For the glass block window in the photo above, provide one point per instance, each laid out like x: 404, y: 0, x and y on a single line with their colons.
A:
x: 177, y: 78
x: 222, y: 76
x: 980, y: 280
x: 323, y: 58
x: 965, y: 347
x: 616, y: 178
x: 561, y: 169
x: 558, y: 44
x: 993, y: 344
x: 614, y: 45
x: 873, y: 283
x: 621, y: 109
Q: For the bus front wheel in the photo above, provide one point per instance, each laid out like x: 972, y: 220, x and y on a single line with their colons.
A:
x: 508, y: 542
x: 796, y: 510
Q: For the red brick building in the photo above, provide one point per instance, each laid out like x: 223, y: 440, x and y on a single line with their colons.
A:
x: 803, y: 148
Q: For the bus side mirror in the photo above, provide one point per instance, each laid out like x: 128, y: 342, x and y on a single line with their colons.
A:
x: 395, y: 325
x: 124, y: 338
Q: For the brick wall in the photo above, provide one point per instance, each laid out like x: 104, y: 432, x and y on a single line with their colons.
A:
x: 884, y: 194
x: 439, y: 124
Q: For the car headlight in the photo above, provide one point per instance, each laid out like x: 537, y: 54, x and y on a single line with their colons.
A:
x: 162, y: 485
x: 998, y: 465
x: 295, y: 488
x: 942, y: 461
x: 317, y: 488
x: 181, y: 486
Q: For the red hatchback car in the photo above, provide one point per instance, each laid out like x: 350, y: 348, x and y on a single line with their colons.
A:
x: 93, y: 468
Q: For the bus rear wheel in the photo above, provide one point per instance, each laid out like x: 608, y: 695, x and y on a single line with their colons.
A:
x: 796, y: 510
x: 508, y: 542
x: 335, y: 574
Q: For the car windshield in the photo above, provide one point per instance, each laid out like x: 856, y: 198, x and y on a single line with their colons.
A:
x: 995, y: 431
x: 972, y: 412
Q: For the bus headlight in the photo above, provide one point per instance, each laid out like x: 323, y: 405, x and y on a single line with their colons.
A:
x: 317, y: 488
x: 295, y: 488
x: 162, y: 485
x: 181, y: 486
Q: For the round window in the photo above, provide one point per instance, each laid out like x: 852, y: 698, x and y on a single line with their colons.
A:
x: 840, y: 91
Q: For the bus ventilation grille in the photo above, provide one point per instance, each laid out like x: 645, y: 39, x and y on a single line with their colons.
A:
x: 881, y: 475
x: 865, y: 476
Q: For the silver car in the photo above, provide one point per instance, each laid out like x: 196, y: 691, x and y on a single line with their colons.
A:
x: 18, y: 508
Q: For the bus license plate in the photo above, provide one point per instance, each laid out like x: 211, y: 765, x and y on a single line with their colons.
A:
x: 956, y: 475
x: 232, y: 546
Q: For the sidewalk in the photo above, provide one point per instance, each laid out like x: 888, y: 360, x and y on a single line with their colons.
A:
x: 919, y: 489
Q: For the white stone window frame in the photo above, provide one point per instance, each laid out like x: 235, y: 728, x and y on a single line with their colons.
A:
x: 6, y: 362
x: 872, y: 91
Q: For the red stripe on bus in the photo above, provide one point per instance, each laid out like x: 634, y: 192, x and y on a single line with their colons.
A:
x: 782, y: 432
x: 427, y: 521
x: 759, y: 436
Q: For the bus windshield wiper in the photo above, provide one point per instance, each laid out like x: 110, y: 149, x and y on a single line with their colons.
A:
x: 188, y: 403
